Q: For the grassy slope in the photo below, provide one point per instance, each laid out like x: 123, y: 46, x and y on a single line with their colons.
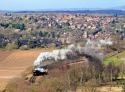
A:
x: 115, y: 59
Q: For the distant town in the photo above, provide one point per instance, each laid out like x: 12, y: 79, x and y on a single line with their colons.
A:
x: 32, y: 30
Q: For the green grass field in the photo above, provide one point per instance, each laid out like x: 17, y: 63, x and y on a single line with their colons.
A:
x: 115, y: 59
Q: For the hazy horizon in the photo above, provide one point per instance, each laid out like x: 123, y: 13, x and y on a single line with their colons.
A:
x: 16, y: 5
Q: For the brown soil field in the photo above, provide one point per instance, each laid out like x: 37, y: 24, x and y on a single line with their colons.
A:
x: 4, y: 54
x: 13, y: 63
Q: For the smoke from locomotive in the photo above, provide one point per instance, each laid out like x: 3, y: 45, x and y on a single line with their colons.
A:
x: 55, y: 55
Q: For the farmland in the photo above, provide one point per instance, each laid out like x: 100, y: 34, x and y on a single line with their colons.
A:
x: 13, y: 63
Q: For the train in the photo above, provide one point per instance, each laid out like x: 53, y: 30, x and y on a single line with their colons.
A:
x: 39, y: 71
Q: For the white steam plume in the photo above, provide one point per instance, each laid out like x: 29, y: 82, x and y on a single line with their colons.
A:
x: 55, y: 55
x: 71, y: 52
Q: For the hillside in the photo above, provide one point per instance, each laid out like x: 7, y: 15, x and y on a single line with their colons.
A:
x: 13, y: 63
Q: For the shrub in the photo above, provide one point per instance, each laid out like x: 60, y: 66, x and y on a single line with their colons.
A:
x: 24, y: 47
x: 11, y: 46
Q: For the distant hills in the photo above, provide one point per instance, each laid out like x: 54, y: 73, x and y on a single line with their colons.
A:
x: 106, y: 11
x: 120, y: 10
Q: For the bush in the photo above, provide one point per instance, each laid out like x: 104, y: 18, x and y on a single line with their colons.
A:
x: 24, y: 47
x: 20, y: 26
x: 11, y: 46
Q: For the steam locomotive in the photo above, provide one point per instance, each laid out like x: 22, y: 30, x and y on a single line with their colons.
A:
x: 42, y: 70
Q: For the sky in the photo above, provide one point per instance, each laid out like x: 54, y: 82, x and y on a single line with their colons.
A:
x: 58, y: 4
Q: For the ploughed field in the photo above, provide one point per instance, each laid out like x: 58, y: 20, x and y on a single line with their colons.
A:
x: 13, y: 63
